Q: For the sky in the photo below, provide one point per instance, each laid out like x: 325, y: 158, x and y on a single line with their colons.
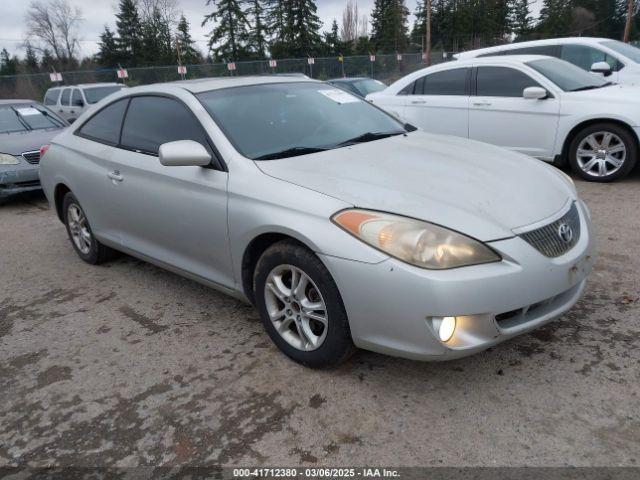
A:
x: 98, y: 13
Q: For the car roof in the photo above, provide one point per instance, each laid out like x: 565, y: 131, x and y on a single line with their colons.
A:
x: 532, y: 43
x: 16, y: 101
x: 205, y: 84
x: 90, y: 85
x: 502, y: 59
x: 348, y: 79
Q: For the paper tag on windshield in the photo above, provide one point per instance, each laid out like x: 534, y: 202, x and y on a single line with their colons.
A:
x: 339, y: 96
x: 28, y: 111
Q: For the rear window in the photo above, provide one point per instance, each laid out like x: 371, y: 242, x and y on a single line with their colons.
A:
x: 105, y: 125
x: 51, y: 98
x: 95, y: 94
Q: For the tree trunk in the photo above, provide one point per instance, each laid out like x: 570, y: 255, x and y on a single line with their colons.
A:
x: 627, y: 28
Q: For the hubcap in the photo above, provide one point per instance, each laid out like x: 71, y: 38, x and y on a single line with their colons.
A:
x: 601, y: 154
x: 296, y: 307
x: 79, y: 228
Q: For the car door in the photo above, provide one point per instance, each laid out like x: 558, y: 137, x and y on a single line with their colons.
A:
x: 64, y: 106
x: 439, y: 102
x: 77, y: 104
x: 499, y: 114
x: 174, y: 215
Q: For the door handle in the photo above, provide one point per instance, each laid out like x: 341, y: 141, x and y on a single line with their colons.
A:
x: 418, y: 102
x: 115, y: 176
x: 481, y: 104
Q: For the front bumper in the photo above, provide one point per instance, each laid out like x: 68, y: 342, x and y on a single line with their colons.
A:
x: 19, y: 178
x: 391, y: 304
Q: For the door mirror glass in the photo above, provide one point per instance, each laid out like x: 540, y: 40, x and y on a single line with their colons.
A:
x: 183, y: 153
x: 601, y: 67
x: 534, y: 93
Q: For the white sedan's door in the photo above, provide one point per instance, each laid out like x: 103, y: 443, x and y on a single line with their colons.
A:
x: 500, y: 115
x: 439, y: 102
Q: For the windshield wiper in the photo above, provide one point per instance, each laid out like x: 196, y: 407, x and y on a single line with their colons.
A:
x: 368, y: 137
x: 591, y: 87
x: 290, y: 152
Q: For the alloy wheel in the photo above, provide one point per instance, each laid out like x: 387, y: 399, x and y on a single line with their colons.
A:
x: 601, y: 154
x: 296, y: 307
x: 79, y: 228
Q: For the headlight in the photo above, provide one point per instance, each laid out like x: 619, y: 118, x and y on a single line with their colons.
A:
x: 6, y: 159
x: 419, y: 243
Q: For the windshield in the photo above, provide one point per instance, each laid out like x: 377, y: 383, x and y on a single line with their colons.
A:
x: 18, y: 118
x: 566, y: 75
x: 95, y: 94
x: 629, y: 51
x: 295, y: 118
x: 369, y: 86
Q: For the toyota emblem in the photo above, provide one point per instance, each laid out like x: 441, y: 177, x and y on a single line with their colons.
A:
x: 565, y: 233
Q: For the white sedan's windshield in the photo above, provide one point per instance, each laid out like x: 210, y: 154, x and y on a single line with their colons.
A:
x: 567, y: 76
x: 287, y: 119
x: 629, y: 51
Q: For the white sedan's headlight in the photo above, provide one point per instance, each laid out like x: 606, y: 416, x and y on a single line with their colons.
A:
x: 6, y: 159
x: 413, y: 241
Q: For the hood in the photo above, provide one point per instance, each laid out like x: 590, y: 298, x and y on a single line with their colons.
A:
x: 475, y: 188
x: 17, y: 142
x: 616, y: 94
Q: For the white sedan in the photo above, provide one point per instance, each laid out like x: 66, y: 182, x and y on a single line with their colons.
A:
x: 536, y: 105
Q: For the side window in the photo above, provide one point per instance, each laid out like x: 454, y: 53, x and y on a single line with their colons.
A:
x: 105, y: 125
x: 66, y: 95
x: 152, y: 121
x: 408, y: 90
x: 502, y: 82
x: 549, y: 50
x: 51, y: 98
x: 76, y: 98
x: 584, y: 56
x: 449, y: 82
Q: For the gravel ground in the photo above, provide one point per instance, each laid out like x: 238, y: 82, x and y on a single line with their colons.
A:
x: 126, y: 364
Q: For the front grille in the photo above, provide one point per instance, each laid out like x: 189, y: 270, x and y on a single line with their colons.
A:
x: 32, y: 157
x: 548, y: 239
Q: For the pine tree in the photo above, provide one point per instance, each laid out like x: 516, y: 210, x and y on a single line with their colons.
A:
x: 389, y: 25
x: 47, y: 62
x: 521, y: 22
x: 129, y: 28
x: 229, y: 37
x: 8, y: 65
x: 108, y: 53
x: 30, y: 59
x: 305, y: 27
x: 258, y: 33
x: 157, y: 45
x: 332, y: 43
x: 555, y: 16
x: 188, y: 52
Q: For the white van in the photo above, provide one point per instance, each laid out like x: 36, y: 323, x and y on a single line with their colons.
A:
x: 71, y: 101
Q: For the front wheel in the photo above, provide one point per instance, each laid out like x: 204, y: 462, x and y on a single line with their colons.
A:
x: 301, y: 307
x: 603, y: 152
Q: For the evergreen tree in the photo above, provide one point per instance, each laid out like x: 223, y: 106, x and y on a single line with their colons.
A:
x: 108, y: 53
x: 47, y: 62
x: 188, y: 53
x: 157, y: 45
x: 129, y: 29
x: 258, y: 33
x: 521, y: 22
x: 555, y: 17
x: 304, y: 26
x: 30, y: 59
x: 8, y: 65
x: 332, y: 43
x: 389, y: 25
x: 229, y: 37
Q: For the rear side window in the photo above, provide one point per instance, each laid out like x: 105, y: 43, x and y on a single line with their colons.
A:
x: 66, y: 96
x: 51, y: 98
x: 502, y: 82
x: 549, y: 50
x: 76, y: 98
x: 152, y: 121
x: 105, y: 125
x: 449, y: 82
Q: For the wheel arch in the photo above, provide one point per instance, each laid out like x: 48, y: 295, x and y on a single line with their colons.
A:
x: 59, y: 192
x: 564, y: 154
x: 252, y: 253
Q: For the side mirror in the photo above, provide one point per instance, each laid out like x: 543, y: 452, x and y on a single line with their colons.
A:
x: 601, y: 67
x: 183, y: 153
x: 535, y: 93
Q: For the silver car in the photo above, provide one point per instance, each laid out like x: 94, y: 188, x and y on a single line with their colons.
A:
x: 343, y: 226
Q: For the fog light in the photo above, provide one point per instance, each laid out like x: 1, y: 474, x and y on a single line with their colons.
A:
x: 446, y: 329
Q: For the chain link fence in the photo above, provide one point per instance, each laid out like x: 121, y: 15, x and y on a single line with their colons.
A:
x: 386, y: 68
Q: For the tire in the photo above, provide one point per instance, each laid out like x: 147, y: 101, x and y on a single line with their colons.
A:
x: 619, y: 138
x: 313, y: 343
x: 92, y: 250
